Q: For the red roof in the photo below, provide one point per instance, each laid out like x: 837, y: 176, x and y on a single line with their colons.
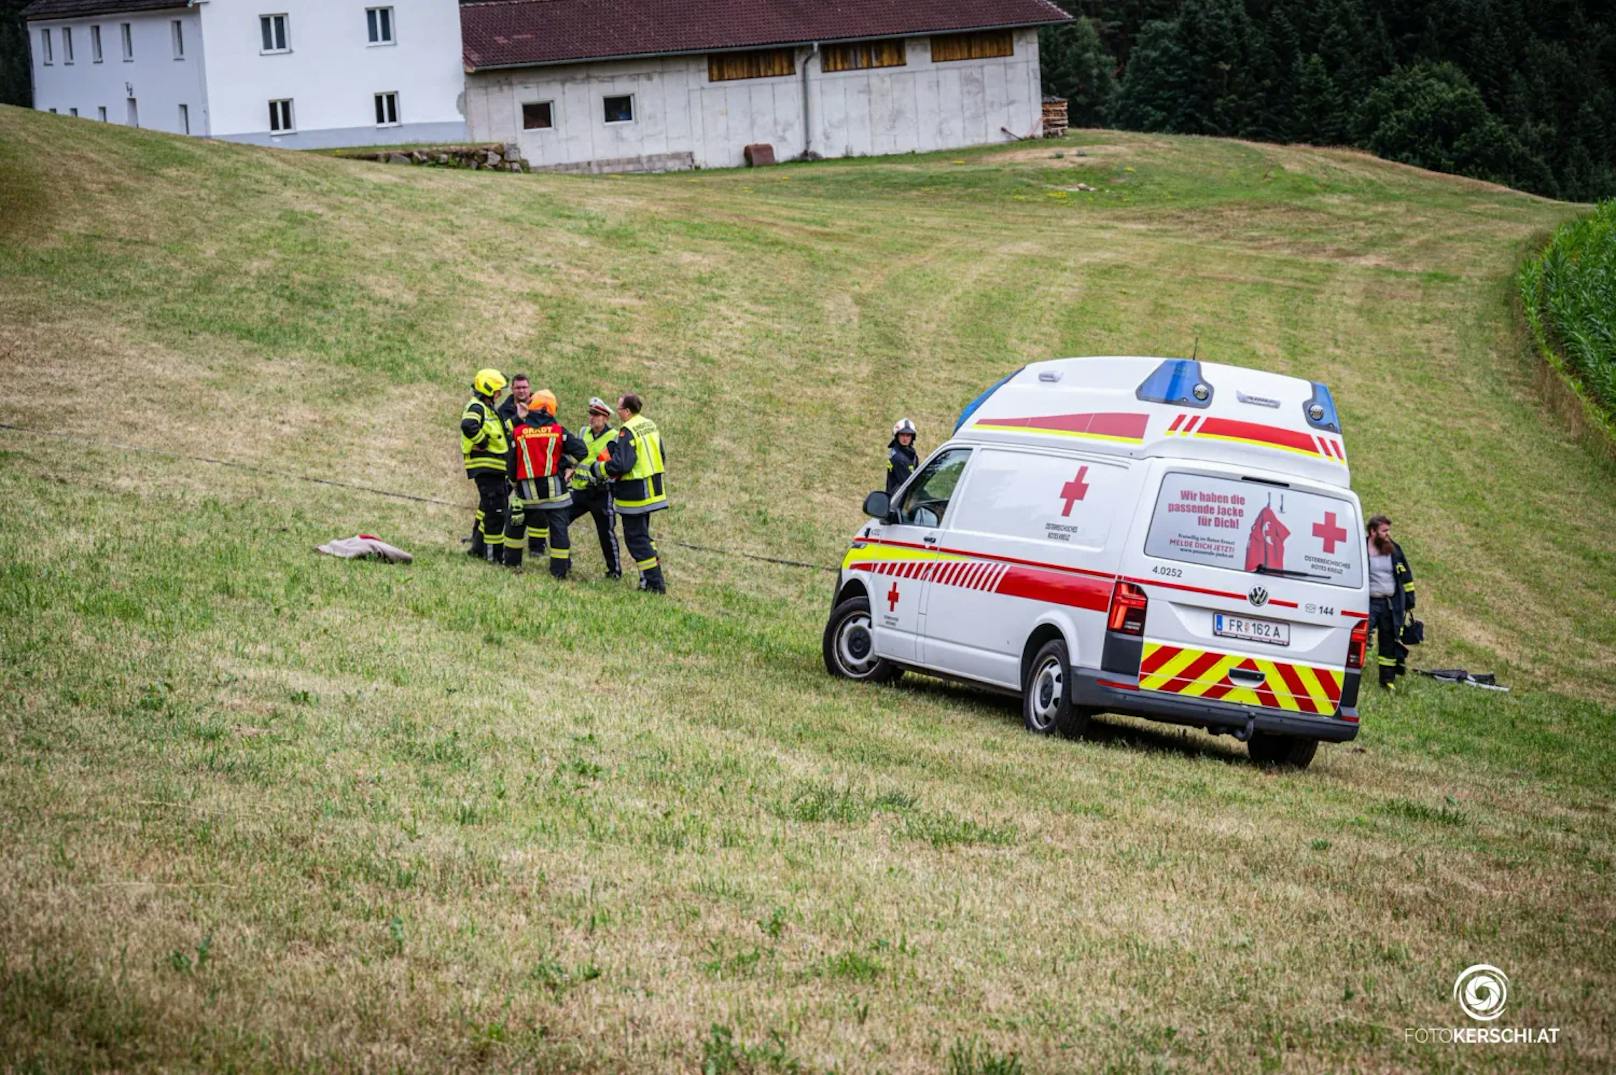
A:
x: 517, y: 33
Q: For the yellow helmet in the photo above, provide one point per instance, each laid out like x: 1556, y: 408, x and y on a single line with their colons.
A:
x: 488, y: 382
x: 543, y: 400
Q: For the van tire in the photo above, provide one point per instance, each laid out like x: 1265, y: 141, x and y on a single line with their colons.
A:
x: 1046, y: 696
x: 1286, y: 750
x: 847, y: 645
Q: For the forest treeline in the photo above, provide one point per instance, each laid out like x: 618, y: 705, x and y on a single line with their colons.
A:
x: 1521, y: 92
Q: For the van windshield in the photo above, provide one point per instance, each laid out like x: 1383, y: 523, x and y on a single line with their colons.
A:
x: 1257, y: 528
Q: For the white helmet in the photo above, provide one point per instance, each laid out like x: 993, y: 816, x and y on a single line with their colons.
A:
x: 904, y: 425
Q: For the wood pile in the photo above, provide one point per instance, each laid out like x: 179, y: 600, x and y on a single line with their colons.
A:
x: 1054, y: 117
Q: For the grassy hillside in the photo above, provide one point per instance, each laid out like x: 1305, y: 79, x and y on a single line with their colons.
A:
x: 262, y: 809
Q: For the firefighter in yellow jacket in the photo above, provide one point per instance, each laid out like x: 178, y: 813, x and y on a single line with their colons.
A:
x: 485, y: 446
x: 634, y: 466
x: 542, y: 459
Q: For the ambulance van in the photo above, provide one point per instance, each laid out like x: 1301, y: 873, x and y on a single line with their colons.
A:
x: 1166, y: 538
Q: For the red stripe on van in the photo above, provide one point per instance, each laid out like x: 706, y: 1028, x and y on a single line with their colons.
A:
x: 1158, y: 657
x: 1178, y: 421
x: 1276, y: 435
x: 991, y: 556
x: 1055, y: 588
x: 1102, y: 423
x: 1293, y: 683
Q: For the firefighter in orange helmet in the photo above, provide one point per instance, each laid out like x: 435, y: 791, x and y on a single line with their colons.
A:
x: 543, y: 455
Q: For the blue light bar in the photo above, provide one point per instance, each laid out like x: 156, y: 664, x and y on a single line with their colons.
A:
x: 1324, y: 406
x: 970, y: 408
x: 1176, y: 381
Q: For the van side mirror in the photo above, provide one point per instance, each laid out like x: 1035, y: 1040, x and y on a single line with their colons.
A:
x: 878, y: 506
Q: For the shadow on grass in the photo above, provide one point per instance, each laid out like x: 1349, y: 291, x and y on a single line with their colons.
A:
x: 1112, y: 730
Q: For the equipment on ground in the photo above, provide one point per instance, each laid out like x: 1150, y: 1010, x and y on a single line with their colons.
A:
x: 1485, y: 680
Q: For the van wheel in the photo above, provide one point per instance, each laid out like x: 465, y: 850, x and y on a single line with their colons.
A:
x: 850, y: 648
x: 1046, y: 696
x: 1285, y: 750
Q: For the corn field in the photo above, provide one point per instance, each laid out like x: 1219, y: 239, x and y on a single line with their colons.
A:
x: 1570, y: 298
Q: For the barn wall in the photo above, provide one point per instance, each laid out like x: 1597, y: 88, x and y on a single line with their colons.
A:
x: 682, y: 119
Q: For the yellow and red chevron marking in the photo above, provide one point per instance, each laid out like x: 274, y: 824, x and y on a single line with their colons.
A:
x: 1201, y: 673
x: 1263, y: 436
x: 946, y: 569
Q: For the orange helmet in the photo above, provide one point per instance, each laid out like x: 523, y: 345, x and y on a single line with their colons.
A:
x: 543, y: 400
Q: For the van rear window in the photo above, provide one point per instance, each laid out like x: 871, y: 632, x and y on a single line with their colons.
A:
x: 1246, y: 526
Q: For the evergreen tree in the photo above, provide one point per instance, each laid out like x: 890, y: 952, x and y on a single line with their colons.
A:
x: 16, y: 81
x: 1076, y: 66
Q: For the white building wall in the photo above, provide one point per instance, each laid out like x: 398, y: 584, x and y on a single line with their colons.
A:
x: 332, y: 73
x: 154, y: 78
x: 683, y: 120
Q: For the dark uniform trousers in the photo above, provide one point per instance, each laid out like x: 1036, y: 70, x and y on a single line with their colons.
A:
x: 530, y: 521
x: 641, y: 546
x: 488, y: 532
x: 1390, y: 652
x: 596, y: 501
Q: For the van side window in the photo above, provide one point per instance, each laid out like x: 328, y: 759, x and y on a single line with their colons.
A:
x: 926, y: 501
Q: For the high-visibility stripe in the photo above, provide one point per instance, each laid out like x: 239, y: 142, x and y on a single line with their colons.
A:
x: 560, y: 554
x: 1208, y: 674
x: 646, y: 565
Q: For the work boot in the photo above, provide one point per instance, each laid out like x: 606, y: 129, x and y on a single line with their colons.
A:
x: 513, y: 556
x: 651, y: 581
x: 614, y: 575
x: 495, y: 554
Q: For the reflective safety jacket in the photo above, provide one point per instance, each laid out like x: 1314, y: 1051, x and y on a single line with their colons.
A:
x: 635, y: 466
x: 483, y: 437
x: 901, y: 463
x: 595, y: 448
x: 543, y: 450
x: 1402, y: 584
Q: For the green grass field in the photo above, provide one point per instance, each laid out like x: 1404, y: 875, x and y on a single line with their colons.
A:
x: 260, y: 809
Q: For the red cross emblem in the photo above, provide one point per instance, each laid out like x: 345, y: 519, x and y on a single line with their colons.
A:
x: 1074, y: 490
x: 1330, y: 532
x: 892, y: 598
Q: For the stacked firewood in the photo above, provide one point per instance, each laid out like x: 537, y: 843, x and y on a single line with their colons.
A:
x: 1054, y: 117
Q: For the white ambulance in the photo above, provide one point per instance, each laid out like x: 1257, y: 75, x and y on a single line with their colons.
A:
x: 1166, y: 538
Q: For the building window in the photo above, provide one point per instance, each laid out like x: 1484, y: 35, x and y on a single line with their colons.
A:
x: 73, y: 112
x: 761, y: 63
x: 128, y: 42
x: 67, y: 44
x: 387, y: 110
x: 272, y: 28
x: 177, y: 29
x: 185, y: 119
x: 45, y: 46
x: 53, y: 111
x: 101, y: 113
x: 280, y: 116
x: 980, y: 46
x: 95, y: 44
x: 538, y: 116
x: 620, y: 109
x: 379, y: 22
x: 862, y: 54
x: 132, y: 107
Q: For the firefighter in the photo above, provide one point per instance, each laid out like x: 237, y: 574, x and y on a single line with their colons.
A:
x: 901, y: 457
x: 1391, y: 599
x: 542, y: 459
x: 634, y: 466
x: 485, y: 445
x: 513, y: 410
x: 591, y: 495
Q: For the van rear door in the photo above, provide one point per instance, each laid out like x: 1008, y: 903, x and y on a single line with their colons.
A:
x: 1254, y: 586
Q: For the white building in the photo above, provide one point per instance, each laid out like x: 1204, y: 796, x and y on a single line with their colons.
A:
x: 302, y: 74
x: 618, y: 85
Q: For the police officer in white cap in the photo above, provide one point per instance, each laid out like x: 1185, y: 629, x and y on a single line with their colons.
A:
x: 590, y: 493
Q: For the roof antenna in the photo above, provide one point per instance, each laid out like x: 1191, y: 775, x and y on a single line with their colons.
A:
x: 1195, y: 351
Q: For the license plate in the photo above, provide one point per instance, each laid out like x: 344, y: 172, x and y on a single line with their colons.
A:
x: 1274, y: 634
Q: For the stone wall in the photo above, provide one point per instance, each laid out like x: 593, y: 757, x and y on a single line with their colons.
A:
x: 490, y: 156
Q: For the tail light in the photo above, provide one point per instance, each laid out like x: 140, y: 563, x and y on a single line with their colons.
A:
x: 1358, y: 646
x: 1127, y: 609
